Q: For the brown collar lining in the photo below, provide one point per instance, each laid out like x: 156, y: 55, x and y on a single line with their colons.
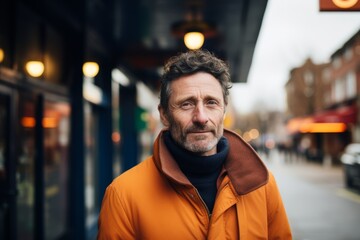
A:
x: 245, y: 169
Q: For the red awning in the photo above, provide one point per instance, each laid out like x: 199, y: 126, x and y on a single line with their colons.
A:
x: 346, y: 114
x: 324, y: 122
x: 296, y: 124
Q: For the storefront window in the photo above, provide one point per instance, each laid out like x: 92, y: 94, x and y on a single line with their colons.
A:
x: 3, y: 141
x: 56, y: 124
x: 4, y: 116
x: 25, y: 174
x: 116, y: 137
x: 148, y: 122
x: 90, y: 165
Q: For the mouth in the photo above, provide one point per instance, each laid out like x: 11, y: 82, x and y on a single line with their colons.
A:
x: 199, y: 132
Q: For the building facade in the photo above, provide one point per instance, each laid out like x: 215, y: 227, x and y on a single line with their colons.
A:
x: 323, y: 103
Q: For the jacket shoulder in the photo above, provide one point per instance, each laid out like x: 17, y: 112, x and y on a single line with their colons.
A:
x: 135, y: 175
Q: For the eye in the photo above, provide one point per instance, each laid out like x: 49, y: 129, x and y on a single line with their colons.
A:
x: 187, y: 105
x: 212, y: 102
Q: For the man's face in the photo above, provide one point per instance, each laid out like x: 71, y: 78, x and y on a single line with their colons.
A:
x: 196, y: 113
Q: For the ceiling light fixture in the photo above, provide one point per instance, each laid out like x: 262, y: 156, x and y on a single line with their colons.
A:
x: 2, y: 55
x: 119, y: 77
x: 193, y: 30
x: 90, y: 69
x: 194, y: 40
x: 35, y: 68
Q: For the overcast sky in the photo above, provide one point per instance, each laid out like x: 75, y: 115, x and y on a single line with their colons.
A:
x: 292, y: 31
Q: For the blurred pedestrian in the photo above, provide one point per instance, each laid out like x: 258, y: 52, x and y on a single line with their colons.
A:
x: 203, y: 181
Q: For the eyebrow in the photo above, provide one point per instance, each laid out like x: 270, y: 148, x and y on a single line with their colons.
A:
x: 194, y: 99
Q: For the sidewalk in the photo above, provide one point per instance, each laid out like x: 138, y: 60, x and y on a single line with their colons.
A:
x: 317, y: 173
x: 318, y: 205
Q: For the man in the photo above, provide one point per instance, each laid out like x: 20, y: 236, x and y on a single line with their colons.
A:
x: 202, y: 182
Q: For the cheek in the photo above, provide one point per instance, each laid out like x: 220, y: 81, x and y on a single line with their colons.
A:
x: 219, y: 117
x: 182, y: 118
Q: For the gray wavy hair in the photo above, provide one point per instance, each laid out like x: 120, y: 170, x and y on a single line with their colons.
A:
x: 192, y: 62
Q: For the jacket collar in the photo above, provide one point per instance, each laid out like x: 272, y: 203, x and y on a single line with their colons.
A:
x: 244, y: 167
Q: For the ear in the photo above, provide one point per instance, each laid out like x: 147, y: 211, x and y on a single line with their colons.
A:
x: 163, y: 116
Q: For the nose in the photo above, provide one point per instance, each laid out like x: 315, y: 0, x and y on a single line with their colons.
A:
x: 200, y: 115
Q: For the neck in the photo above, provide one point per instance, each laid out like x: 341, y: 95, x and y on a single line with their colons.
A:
x: 193, y: 164
x: 202, y: 171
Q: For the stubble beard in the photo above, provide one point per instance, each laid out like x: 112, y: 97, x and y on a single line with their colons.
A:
x: 197, y: 144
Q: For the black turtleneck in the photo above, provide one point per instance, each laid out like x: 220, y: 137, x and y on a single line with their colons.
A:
x: 202, y: 171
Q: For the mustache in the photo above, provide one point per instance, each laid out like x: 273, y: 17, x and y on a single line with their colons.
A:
x: 196, y: 128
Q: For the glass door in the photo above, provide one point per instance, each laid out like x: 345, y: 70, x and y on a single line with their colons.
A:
x: 34, y: 144
x: 7, y: 192
x: 25, y: 167
x: 91, y: 161
x: 56, y: 125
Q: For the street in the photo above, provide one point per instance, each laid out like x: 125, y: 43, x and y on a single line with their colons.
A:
x: 318, y: 205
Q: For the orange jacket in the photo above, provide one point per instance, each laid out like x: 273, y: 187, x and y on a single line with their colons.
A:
x: 154, y: 200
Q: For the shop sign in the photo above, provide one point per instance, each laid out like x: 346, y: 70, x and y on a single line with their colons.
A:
x: 339, y: 5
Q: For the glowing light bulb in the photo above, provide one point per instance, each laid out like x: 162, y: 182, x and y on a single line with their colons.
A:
x: 90, y: 69
x: 35, y: 68
x: 2, y: 55
x: 194, y: 40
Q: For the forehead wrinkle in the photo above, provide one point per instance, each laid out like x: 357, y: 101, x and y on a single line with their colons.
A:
x: 196, y: 87
x: 197, y: 98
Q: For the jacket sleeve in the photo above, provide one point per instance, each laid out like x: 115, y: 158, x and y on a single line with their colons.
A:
x: 278, y: 224
x: 114, y: 221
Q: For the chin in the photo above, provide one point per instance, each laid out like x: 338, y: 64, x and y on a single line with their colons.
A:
x: 200, y: 148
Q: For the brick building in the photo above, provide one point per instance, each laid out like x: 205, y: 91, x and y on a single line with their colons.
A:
x: 323, y: 103
x: 305, y: 92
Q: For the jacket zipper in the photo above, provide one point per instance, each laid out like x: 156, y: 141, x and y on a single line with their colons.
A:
x: 203, y: 203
